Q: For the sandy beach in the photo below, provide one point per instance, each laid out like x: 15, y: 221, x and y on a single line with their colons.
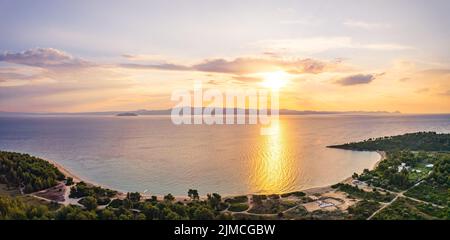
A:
x: 310, y: 191
x: 64, y: 171
x: 383, y: 156
x: 323, y: 189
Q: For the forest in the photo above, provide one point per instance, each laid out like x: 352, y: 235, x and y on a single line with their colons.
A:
x: 419, y: 141
x: 27, y: 172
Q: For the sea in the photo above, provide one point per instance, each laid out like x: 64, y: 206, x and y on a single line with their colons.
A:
x: 151, y: 155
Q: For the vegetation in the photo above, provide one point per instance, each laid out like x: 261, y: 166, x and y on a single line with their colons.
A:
x: 355, y: 192
x: 69, y: 181
x: 363, y: 209
x: 417, y: 165
x: 406, y: 209
x: 89, y: 202
x: 409, y: 158
x: 8, y: 190
x: 401, y: 170
x: 82, y: 189
x: 296, y: 194
x: 430, y: 192
x: 238, y: 207
x: 17, y: 209
x: 245, y: 216
x: 31, y: 173
x: 271, y: 206
x: 258, y: 199
x: 169, y: 197
x: 237, y: 199
x: 326, y: 215
x: 420, y: 141
x: 92, y: 196
x: 436, y: 187
x: 297, y: 213
x: 193, y: 194
x: 215, y: 202
x: 134, y: 196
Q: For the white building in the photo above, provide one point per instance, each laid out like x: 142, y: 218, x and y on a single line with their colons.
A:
x: 403, y: 166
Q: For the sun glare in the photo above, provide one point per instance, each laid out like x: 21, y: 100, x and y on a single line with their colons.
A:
x: 275, y: 80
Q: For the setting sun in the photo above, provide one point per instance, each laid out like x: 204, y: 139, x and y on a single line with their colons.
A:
x: 275, y: 80
x: 304, y: 110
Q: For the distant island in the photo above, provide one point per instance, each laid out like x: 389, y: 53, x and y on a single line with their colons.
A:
x: 127, y: 114
x: 169, y: 111
x: 411, y: 181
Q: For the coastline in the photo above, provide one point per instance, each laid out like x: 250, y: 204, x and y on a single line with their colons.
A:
x: 310, y: 191
x: 64, y: 171
x: 383, y: 157
x: 323, y: 189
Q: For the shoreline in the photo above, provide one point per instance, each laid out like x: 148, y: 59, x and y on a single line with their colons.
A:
x: 323, y: 189
x: 64, y: 171
x: 383, y: 157
x: 311, y: 190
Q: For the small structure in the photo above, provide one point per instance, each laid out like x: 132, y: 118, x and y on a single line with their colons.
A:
x: 325, y: 204
x: 429, y: 165
x: 357, y: 182
x: 403, y: 166
x: 314, y: 198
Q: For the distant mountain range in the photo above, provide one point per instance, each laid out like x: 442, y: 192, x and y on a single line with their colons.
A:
x: 168, y: 112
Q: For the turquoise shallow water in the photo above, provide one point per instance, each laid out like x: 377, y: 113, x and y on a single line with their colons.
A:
x: 150, y: 153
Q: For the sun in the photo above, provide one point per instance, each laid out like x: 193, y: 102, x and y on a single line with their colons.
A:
x: 275, y: 80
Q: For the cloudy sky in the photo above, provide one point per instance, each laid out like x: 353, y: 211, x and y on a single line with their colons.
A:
x: 70, y: 56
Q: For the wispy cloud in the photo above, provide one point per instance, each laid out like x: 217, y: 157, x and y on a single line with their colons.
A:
x: 365, y: 25
x: 247, y: 79
x: 404, y: 79
x: 306, y: 21
x: 321, y: 44
x: 437, y: 71
x: 43, y: 57
x: 240, y: 66
x: 53, y: 80
x: 5, y: 76
x: 145, y: 57
x: 54, y: 59
x: 447, y: 93
x: 356, y: 79
x: 422, y: 90
x: 385, y: 47
x: 255, y: 65
x: 162, y: 66
x: 294, y: 22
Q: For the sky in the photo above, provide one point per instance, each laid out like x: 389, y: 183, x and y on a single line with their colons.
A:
x: 78, y: 56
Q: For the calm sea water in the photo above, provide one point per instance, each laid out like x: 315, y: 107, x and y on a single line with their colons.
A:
x: 150, y: 153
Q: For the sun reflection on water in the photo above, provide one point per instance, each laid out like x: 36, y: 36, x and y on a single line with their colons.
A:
x: 272, y: 171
